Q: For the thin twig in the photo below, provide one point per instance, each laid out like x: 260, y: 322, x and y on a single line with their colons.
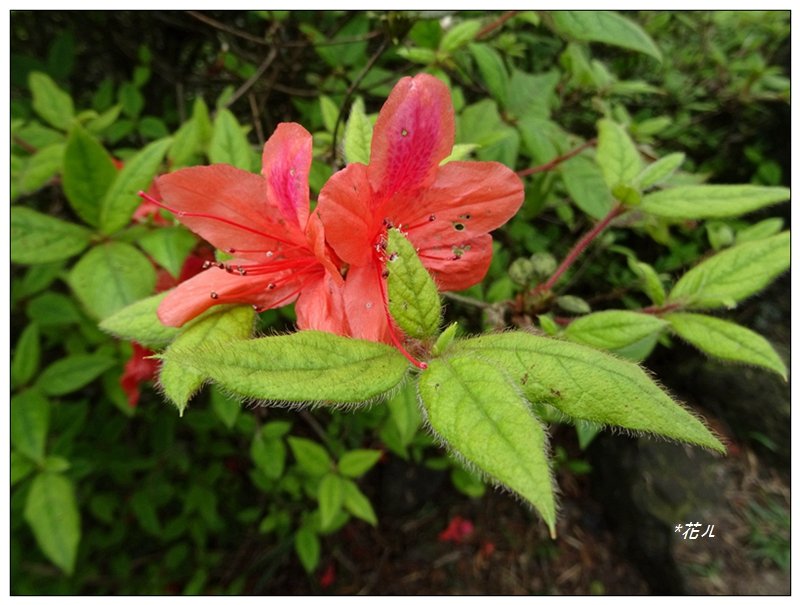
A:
x: 255, y: 77
x: 487, y: 29
x: 256, y: 118
x: 556, y: 161
x: 466, y: 300
x: 227, y: 28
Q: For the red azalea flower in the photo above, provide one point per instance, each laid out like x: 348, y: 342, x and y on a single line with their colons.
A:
x: 328, y: 576
x: 278, y: 247
x: 445, y: 211
x: 139, y: 369
x: 457, y: 530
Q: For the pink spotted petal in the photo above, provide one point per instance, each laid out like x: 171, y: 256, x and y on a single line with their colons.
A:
x: 415, y: 131
x: 473, y: 259
x: 286, y: 162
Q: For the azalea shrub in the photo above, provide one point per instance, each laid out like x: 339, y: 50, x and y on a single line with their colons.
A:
x: 415, y: 262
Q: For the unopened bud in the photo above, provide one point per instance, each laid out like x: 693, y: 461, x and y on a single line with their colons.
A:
x: 544, y: 264
x: 521, y: 271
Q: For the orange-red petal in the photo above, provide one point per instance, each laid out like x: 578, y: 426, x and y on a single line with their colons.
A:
x: 286, y: 162
x: 414, y: 132
x: 321, y: 307
x: 364, y: 303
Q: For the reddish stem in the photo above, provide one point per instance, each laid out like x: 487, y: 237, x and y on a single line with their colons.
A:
x: 487, y: 29
x: 392, y: 334
x: 556, y: 161
x: 660, y: 309
x: 579, y: 247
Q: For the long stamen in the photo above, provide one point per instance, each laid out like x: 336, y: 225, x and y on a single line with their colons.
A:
x: 427, y: 221
x: 392, y: 334
x: 221, y: 219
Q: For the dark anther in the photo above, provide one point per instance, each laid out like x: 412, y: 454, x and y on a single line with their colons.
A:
x: 214, y: 295
x: 385, y: 274
x: 432, y: 217
x: 206, y: 264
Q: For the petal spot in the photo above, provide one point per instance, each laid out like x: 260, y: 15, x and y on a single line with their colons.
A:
x: 404, y: 132
x: 459, y: 226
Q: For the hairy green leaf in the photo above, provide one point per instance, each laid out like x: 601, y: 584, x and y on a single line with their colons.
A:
x: 229, y: 144
x: 37, y: 238
x: 357, y: 134
x: 51, y: 511
x: 695, y: 202
x: 659, y: 170
x: 473, y: 406
x: 606, y: 27
x: 50, y: 102
x: 585, y: 185
x: 617, y: 155
x: 111, y: 276
x: 726, y: 340
x: 30, y: 420
x: 121, y: 199
x: 413, y: 299
x: 734, y: 274
x: 587, y: 384
x: 613, y: 329
x: 139, y: 322
x: 88, y: 173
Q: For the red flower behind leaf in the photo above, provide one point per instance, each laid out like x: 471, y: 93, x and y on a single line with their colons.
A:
x: 278, y: 247
x: 446, y: 211
x: 328, y: 577
x: 139, y: 369
x: 457, y: 530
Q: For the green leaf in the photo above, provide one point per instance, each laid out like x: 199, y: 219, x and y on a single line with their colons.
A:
x: 659, y: 171
x: 121, y: 199
x: 726, y: 340
x: 459, y: 35
x: 27, y: 353
x: 461, y: 151
x: 606, y: 27
x: 651, y: 282
x: 215, y: 330
x: 734, y: 274
x: 131, y: 99
x: 617, y: 155
x: 102, y: 122
x: 331, y: 497
x: 413, y: 299
x: 693, y: 202
x: 304, y: 366
x: 532, y: 96
x: 307, y: 547
x: 229, y: 144
x: 357, y: 504
x: 357, y: 134
x: 473, y: 406
x: 169, y: 247
x: 311, y: 456
x: 40, y: 168
x: 88, y: 173
x: 139, y: 322
x: 21, y: 467
x: 355, y: 463
x: 494, y: 74
x: 268, y: 454
x: 585, y: 185
x: 71, y: 373
x: 50, y: 102
x: 761, y: 230
x: 586, y: 384
x: 330, y: 112
x: 53, y: 309
x: 51, y: 511
x: 424, y: 56
x: 111, y: 276
x: 225, y: 408
x: 613, y: 329
x: 30, y: 420
x: 37, y: 238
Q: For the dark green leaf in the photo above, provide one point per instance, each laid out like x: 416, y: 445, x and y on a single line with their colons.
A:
x: 71, y: 373
x: 25, y: 360
x: 306, y: 544
x: 493, y: 71
x: 51, y: 511
x: 30, y: 420
x: 50, y: 102
x: 606, y: 27
x: 38, y: 238
x: 88, y: 173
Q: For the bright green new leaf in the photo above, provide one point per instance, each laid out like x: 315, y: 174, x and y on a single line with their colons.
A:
x: 606, y: 27
x: 459, y: 35
x: 268, y: 454
x: 726, y: 340
x: 357, y: 134
x: 357, y: 504
x: 40, y: 168
x: 659, y: 171
x: 330, y: 112
x: 304, y: 366
x: 307, y: 547
x: 494, y: 74
x: 734, y: 274
x: 461, y: 151
x: 617, y: 155
x: 586, y: 384
x: 38, y: 238
x: 121, y: 199
x: 99, y: 124
x: 331, y: 498
x: 761, y: 230
x: 139, y: 322
x: 169, y: 247
x: 355, y: 463
x: 415, y: 54
x: 88, y: 173
x: 111, y: 276
x: 311, y: 456
x: 694, y: 202
x: 50, y: 102
x: 30, y: 420
x: 51, y: 511
x: 69, y: 374
x: 473, y: 406
x: 650, y: 281
x: 613, y: 329
x: 215, y: 330
x: 413, y: 299
x: 229, y: 144
x: 585, y: 185
x: 27, y: 353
